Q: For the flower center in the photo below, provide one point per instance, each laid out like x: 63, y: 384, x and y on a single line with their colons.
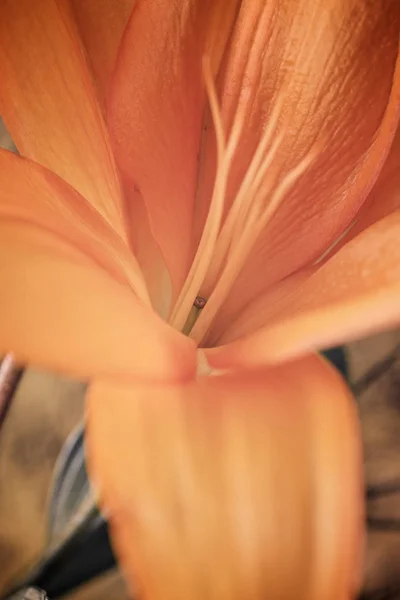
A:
x: 226, y: 244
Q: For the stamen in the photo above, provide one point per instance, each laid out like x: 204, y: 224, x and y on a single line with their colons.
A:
x: 252, y: 206
x: 200, y: 302
x: 255, y: 226
x: 335, y: 242
x: 202, y: 260
x: 243, y: 247
x: 225, y: 247
x: 193, y: 315
x: 244, y: 201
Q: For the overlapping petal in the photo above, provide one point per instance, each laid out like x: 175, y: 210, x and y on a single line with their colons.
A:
x: 232, y: 486
x: 49, y: 104
x: 60, y: 311
x: 33, y: 195
x: 385, y: 195
x: 323, y: 60
x: 156, y: 111
x: 333, y: 67
x: 101, y: 24
x: 70, y: 291
x: 355, y: 292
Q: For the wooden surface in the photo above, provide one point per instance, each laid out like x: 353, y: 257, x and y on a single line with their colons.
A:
x: 44, y: 411
x: 379, y: 408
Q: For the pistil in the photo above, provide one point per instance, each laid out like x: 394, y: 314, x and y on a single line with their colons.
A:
x: 194, y: 314
x: 225, y: 246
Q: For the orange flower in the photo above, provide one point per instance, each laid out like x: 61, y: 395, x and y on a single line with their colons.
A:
x: 236, y: 195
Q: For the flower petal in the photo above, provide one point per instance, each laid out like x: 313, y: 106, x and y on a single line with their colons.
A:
x: 155, y: 113
x: 150, y: 259
x: 101, y: 24
x: 208, y: 484
x: 31, y: 194
x: 61, y: 311
x: 354, y: 293
x: 49, y: 104
x: 332, y: 65
x: 384, y: 197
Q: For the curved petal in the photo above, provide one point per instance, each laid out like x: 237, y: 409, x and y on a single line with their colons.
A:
x: 327, y: 75
x: 150, y: 259
x: 29, y: 193
x: 155, y: 113
x: 208, y: 484
x: 354, y: 293
x: 384, y: 197
x: 49, y: 104
x: 33, y: 195
x: 60, y: 311
x: 101, y: 24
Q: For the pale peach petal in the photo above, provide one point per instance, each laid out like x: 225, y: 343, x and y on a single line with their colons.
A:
x: 237, y: 486
x: 354, y: 293
x: 328, y: 70
x: 384, y: 197
x: 49, y: 104
x: 61, y: 311
x: 156, y: 113
x: 31, y: 194
x: 101, y: 24
x: 149, y: 257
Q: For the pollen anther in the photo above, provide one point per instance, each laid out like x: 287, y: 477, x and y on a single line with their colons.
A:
x: 200, y: 302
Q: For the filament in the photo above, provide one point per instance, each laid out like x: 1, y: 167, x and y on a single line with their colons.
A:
x: 202, y: 260
x: 244, y: 246
x: 225, y: 246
